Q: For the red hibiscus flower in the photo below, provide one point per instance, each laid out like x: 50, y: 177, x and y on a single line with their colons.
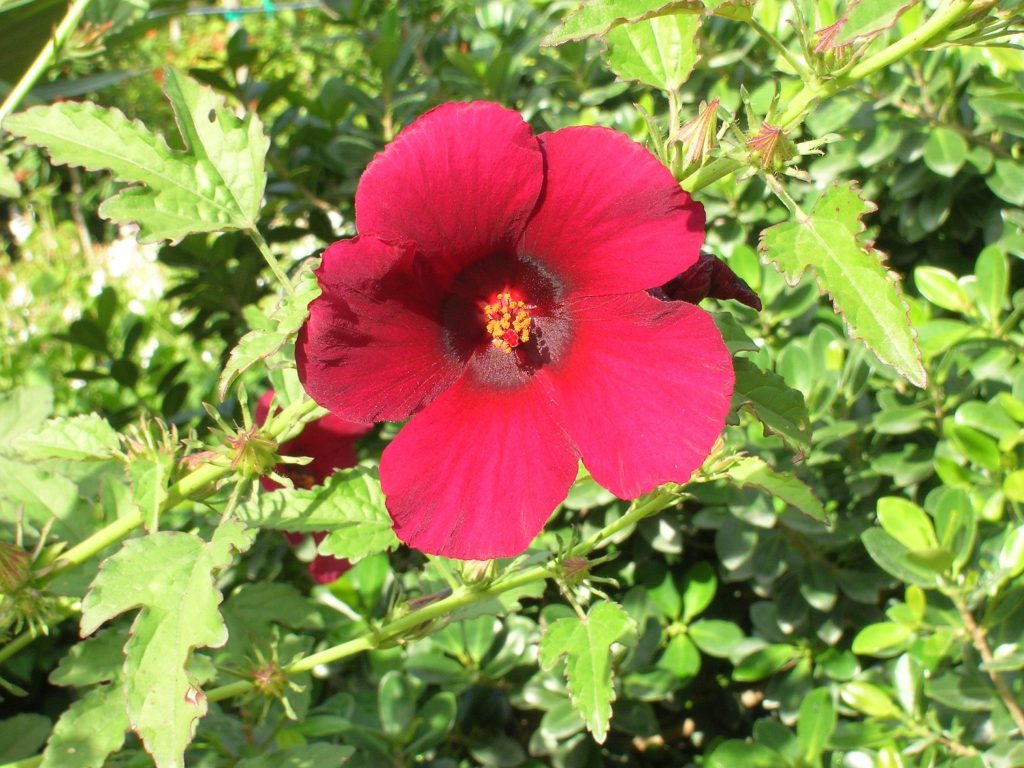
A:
x: 497, y: 293
x: 330, y: 442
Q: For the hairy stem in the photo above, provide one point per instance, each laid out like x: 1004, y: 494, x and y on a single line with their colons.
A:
x: 271, y: 259
x: 461, y: 597
x: 805, y: 74
x: 196, y: 483
x: 46, y: 55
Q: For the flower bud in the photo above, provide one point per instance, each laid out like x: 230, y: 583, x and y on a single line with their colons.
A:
x: 697, y: 138
x: 15, y: 568
x: 252, y: 453
x: 770, y: 148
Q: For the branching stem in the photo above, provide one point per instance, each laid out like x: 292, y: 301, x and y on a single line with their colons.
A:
x: 461, y: 597
x: 948, y: 14
x: 980, y: 643
x: 271, y: 259
x: 196, y: 483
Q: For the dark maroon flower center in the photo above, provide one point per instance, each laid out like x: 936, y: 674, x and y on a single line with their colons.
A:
x: 509, y: 305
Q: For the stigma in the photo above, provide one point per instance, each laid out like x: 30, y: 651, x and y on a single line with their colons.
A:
x: 507, y: 321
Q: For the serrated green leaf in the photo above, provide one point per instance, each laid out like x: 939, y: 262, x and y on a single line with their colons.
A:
x: 752, y: 472
x: 350, y: 505
x: 863, y: 291
x: 96, y: 660
x: 150, y: 478
x: 260, y: 343
x: 733, y: 334
x: 815, y: 724
x: 595, y: 18
x: 586, y: 645
x: 22, y: 410
x: 170, y: 576
x: 216, y: 183
x: 90, y: 730
x: 780, y: 408
x: 865, y: 19
x: 76, y: 438
x: 44, y: 496
x: 660, y: 52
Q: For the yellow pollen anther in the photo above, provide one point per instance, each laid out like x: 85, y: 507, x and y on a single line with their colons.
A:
x: 508, y: 322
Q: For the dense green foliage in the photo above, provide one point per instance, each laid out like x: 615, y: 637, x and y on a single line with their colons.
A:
x: 841, y: 585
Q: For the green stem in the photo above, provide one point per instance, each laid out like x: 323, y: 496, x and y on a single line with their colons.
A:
x: 271, y: 259
x: 804, y: 73
x: 49, y: 51
x: 944, y: 18
x: 460, y: 598
x: 15, y: 645
x: 196, y: 483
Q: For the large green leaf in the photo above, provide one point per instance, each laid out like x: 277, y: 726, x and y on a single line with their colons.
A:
x: 780, y: 408
x: 864, y: 292
x: 596, y: 17
x: 170, y: 576
x: 752, y: 472
x: 586, y: 644
x: 77, y: 438
x: 216, y: 183
x: 91, y: 729
x: 22, y: 410
x: 865, y: 19
x: 660, y: 52
x: 350, y: 505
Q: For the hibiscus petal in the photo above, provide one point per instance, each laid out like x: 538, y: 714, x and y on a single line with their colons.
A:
x: 643, y: 391
x: 372, y: 348
x: 326, y: 569
x: 612, y: 219
x: 478, y: 472
x: 460, y: 182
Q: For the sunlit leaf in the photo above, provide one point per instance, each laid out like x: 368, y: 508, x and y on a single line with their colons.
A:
x: 77, y: 438
x: 780, y: 408
x: 586, y: 644
x: 170, y: 576
x: 216, y: 183
x: 755, y: 473
x: 851, y: 271
x: 92, y: 728
x: 350, y: 506
x: 660, y: 52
